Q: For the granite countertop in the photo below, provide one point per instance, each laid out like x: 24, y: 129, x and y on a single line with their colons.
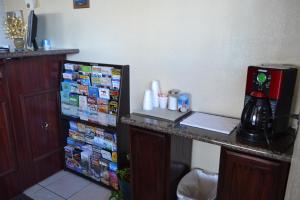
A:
x: 40, y: 52
x: 281, y: 151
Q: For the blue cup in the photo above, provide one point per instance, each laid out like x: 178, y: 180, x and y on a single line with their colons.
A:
x: 46, y: 45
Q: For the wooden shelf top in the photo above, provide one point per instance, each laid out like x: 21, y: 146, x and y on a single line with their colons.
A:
x: 40, y: 52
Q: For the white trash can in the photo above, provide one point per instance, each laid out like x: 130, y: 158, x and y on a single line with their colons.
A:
x: 198, y: 184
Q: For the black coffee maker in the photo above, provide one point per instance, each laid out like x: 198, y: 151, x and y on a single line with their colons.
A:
x: 266, y: 113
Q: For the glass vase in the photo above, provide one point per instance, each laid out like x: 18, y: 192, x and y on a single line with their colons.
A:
x: 19, y: 44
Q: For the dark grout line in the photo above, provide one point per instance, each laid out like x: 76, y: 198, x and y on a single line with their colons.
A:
x: 67, y: 173
x: 55, y: 193
x: 42, y: 187
x: 45, y: 187
x: 80, y: 190
x: 30, y: 195
x: 73, y: 193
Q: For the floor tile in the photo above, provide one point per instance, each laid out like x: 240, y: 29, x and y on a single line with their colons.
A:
x: 44, y: 194
x: 92, y: 191
x: 32, y: 189
x: 53, y: 178
x: 68, y: 185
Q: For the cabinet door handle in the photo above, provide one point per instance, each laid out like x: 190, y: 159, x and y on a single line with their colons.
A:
x: 45, y: 126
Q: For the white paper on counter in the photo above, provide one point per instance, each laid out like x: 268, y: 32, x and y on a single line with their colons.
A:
x: 211, y: 122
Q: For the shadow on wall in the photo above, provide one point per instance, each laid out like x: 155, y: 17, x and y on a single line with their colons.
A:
x: 296, y: 105
x: 45, y: 22
x: 292, y: 191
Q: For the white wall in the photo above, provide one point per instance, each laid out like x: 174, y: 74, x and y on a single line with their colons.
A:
x: 3, y: 39
x: 199, y: 46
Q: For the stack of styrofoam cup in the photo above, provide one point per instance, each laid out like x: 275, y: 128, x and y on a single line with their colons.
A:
x: 148, y: 100
x: 155, y: 87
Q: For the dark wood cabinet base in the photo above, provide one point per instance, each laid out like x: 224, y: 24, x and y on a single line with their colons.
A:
x: 247, y: 177
x: 158, y: 162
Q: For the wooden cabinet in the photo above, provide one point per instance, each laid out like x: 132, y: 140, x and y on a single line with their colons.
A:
x: 156, y: 166
x: 30, y: 105
x: 241, y: 176
x: 150, y: 165
x: 9, y: 184
x: 34, y: 86
x: 247, y: 177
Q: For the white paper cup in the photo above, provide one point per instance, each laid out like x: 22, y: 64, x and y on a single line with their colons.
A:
x: 155, y: 100
x: 163, y: 101
x: 155, y: 87
x: 148, y: 98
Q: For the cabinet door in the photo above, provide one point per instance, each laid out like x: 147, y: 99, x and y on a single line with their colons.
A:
x: 247, y: 177
x: 34, y: 89
x: 41, y: 127
x: 150, y: 164
x: 8, y: 160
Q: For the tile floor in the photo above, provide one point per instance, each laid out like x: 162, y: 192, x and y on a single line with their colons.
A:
x: 65, y: 185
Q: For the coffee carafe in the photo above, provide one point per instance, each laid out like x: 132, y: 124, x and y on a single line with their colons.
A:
x: 268, y: 98
x: 256, y: 119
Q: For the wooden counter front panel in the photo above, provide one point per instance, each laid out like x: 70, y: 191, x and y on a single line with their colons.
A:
x: 247, y: 177
x: 34, y: 74
x: 34, y: 93
x: 150, y: 164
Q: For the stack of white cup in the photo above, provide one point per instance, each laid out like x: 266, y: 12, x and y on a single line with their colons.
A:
x: 155, y: 87
x: 151, y: 97
x: 148, y: 100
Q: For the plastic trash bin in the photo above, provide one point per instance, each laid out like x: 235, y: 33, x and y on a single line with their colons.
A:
x: 198, y: 184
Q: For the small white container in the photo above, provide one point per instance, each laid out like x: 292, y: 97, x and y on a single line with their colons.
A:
x: 172, y: 102
x: 163, y: 102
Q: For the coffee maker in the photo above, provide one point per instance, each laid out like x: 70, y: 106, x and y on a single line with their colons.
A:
x: 267, y: 104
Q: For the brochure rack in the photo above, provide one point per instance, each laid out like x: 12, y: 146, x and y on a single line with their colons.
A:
x: 93, y: 97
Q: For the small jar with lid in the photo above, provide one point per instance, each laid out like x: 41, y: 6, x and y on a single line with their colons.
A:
x: 172, y: 100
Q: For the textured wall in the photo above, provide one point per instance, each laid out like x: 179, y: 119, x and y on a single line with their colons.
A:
x: 199, y: 46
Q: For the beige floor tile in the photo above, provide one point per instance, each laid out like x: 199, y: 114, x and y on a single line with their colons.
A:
x: 44, y: 194
x: 68, y: 185
x: 33, y: 189
x: 53, y: 178
x: 93, y: 192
